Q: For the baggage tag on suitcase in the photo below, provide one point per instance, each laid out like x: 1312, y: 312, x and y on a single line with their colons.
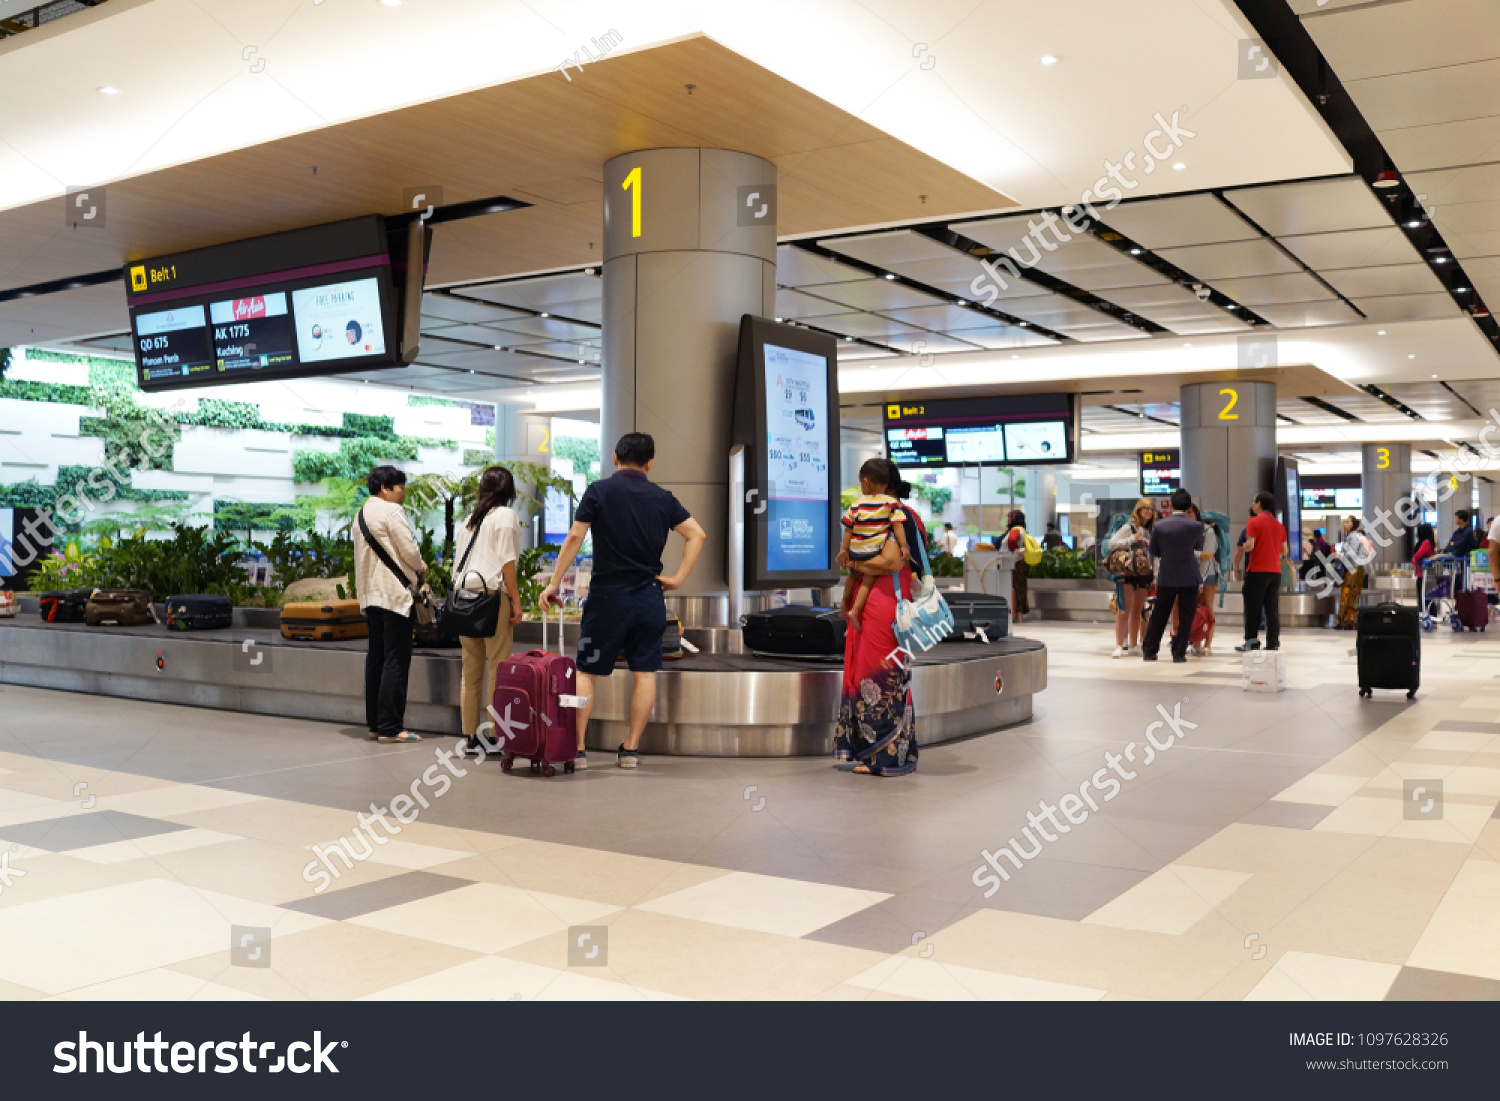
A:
x: 1264, y: 671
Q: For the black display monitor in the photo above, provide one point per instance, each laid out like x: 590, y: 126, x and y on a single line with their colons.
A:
x: 317, y: 301
x: 1161, y: 472
x: 1013, y: 430
x: 786, y: 417
x: 1288, y: 493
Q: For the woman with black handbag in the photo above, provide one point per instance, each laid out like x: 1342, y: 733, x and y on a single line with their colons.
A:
x: 484, y: 605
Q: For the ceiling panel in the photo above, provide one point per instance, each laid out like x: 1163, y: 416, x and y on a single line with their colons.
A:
x: 1272, y: 290
x: 796, y: 305
x: 1175, y: 308
x: 1183, y: 220
x: 1471, y: 184
x: 1000, y: 234
x: 589, y: 352
x: 863, y: 351
x: 1428, y: 97
x: 1108, y: 331
x: 1231, y: 261
x: 448, y: 308
x: 1357, y: 248
x: 569, y: 295
x: 1409, y: 307
x: 942, y: 318
x: 545, y: 328
x: 872, y: 294
x: 886, y: 249
x: 1317, y: 206
x: 1367, y: 407
x: 483, y: 359
x: 923, y: 343
x: 1054, y: 311
x: 1307, y: 315
x: 1467, y: 246
x: 1003, y: 336
x: 868, y: 326
x: 1441, y: 144
x: 1091, y: 264
x: 1223, y: 323
x: 797, y: 267
x: 1373, y: 282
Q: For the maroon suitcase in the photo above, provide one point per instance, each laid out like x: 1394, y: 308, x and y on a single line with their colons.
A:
x: 1473, y: 608
x: 535, y: 709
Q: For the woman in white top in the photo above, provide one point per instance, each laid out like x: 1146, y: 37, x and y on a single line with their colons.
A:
x: 494, y: 533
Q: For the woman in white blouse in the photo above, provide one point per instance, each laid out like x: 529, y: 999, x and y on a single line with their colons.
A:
x: 494, y: 532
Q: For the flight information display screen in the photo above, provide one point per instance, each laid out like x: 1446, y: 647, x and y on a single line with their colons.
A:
x: 1019, y: 430
x: 1161, y: 472
x: 796, y: 459
x: 306, y: 302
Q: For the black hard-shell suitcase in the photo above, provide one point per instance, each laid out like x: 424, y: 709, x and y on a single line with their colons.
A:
x: 64, y: 606
x: 978, y: 617
x: 199, y: 612
x: 1388, y: 646
x: 797, y: 630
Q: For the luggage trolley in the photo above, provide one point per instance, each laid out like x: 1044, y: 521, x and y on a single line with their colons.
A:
x: 1443, y: 578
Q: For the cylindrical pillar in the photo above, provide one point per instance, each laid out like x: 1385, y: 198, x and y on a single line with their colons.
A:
x: 1228, y: 445
x: 1386, y: 484
x: 1486, y: 499
x: 689, y: 248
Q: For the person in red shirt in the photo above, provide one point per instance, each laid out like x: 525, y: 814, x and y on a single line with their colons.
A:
x: 1265, y: 547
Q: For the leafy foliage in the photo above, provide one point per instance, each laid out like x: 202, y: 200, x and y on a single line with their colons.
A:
x: 582, y: 452
x: 1059, y: 563
x: 532, y: 560
x: 296, y: 558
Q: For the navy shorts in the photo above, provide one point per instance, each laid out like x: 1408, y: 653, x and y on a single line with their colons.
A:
x: 629, y: 623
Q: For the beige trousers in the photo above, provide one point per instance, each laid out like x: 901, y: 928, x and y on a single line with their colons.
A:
x: 481, y: 656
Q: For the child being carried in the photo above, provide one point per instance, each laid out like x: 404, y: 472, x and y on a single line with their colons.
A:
x: 874, y: 531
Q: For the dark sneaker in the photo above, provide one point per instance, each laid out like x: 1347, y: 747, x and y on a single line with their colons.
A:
x: 471, y: 745
x: 1148, y: 657
x: 1179, y: 659
x: 627, y: 758
x: 581, y: 762
x: 1253, y: 644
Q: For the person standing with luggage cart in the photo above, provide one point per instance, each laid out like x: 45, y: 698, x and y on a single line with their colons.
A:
x: 386, y: 560
x: 1265, y: 548
x: 625, y: 612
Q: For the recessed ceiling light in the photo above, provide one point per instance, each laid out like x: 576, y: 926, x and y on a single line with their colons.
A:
x: 778, y: 319
x: 544, y: 313
x: 849, y: 339
x: 1135, y: 252
x: 1231, y: 306
x: 1189, y: 344
x: 1049, y: 60
x: 498, y: 348
x: 963, y: 301
x: 1434, y: 376
x: 1381, y: 333
x: 473, y: 372
x: 1441, y: 260
x: 1015, y: 357
x: 109, y: 90
x: 888, y: 275
x: 1412, y: 356
x: 1462, y: 290
x: 1386, y: 178
x: 1413, y: 225
x: 1179, y: 166
x: 1025, y: 324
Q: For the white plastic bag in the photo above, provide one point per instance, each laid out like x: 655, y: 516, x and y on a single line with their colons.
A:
x: 1264, y: 671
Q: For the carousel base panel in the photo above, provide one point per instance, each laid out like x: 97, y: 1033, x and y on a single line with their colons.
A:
x: 718, y: 703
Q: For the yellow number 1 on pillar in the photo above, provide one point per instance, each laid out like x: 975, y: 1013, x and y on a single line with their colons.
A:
x: 632, y: 184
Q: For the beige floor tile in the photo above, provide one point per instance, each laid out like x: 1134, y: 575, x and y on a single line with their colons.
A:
x: 1308, y: 977
x: 496, y: 978
x: 258, y: 870
x: 467, y: 842
x: 14, y: 992
x: 486, y: 917
x: 175, y: 799
x: 616, y: 878
x: 22, y: 806
x: 1464, y: 934
x: 337, y: 961
x: 59, y: 780
x: 1458, y: 779
x: 1461, y: 824
x: 55, y: 875
x: 1470, y: 741
x: 846, y: 993
x: 1356, y: 915
x: 1327, y: 789
x: 117, y: 852
x: 573, y: 986
x: 769, y: 904
x: 1170, y: 901
x: 1101, y: 957
x: 710, y: 961
x: 77, y: 940
x: 403, y: 854
x: 934, y: 981
x: 281, y: 821
x: 1488, y: 845
x: 158, y: 985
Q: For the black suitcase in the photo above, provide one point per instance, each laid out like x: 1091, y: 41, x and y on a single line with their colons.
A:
x: 65, y: 606
x: 1389, y: 648
x: 199, y: 612
x: 796, y: 630
x: 978, y: 617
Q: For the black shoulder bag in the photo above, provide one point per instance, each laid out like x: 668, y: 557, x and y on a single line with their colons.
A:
x: 421, y: 596
x: 466, y: 613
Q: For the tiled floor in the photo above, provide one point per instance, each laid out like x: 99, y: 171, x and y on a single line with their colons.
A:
x: 1276, y: 849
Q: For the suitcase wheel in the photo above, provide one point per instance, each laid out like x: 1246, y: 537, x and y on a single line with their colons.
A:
x: 507, y: 763
x: 568, y: 767
x: 1412, y: 694
x: 536, y: 766
x: 547, y: 769
x: 1364, y: 693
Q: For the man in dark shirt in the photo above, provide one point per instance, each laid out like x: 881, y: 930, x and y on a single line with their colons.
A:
x: 1175, y: 541
x: 1464, y: 542
x: 625, y: 612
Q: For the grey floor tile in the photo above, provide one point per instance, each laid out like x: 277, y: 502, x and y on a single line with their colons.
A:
x: 366, y: 898
x: 1047, y: 888
x: 82, y: 831
x: 1469, y: 726
x: 1292, y: 816
x: 1416, y: 984
x: 895, y: 924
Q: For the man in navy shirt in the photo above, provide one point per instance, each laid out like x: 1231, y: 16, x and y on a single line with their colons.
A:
x: 625, y: 612
x: 1175, y: 541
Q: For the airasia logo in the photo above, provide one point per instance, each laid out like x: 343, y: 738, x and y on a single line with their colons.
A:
x: 249, y: 307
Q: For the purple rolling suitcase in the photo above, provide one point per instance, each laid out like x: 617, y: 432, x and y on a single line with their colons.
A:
x: 535, y: 709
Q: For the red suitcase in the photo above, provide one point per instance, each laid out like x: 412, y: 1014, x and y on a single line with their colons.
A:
x: 1473, y: 608
x: 1203, y: 619
x: 535, y: 709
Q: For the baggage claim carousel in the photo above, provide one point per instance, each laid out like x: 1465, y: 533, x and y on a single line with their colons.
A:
x: 717, y: 703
